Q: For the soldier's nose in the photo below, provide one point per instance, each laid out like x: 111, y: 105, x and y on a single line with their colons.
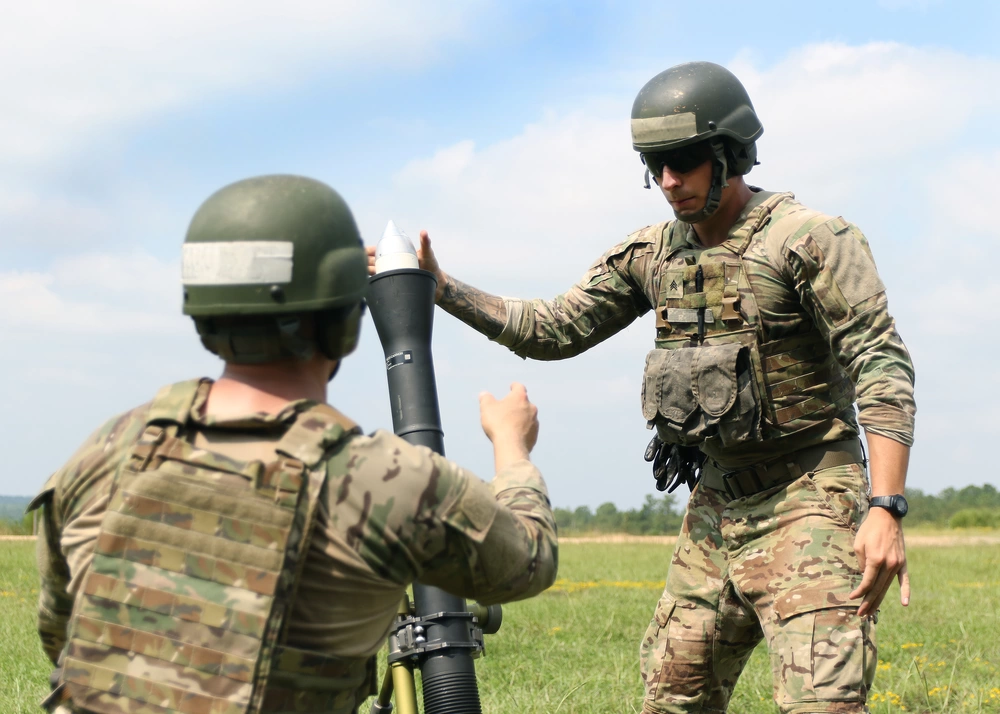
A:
x: 668, y: 180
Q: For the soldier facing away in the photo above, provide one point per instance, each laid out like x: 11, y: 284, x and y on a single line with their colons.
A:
x: 238, y: 545
x: 771, y: 324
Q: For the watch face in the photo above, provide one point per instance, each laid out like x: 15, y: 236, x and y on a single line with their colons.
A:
x: 896, y: 505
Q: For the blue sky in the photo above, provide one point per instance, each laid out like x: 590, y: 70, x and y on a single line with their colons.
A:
x: 502, y: 128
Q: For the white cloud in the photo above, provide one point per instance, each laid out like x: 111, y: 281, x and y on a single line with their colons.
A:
x: 78, y: 77
x: 839, y: 115
x: 29, y: 215
x: 961, y: 187
x: 955, y: 308
x: 445, y: 166
x: 554, y: 197
x: 135, y: 277
x: 94, y: 295
x: 71, y: 70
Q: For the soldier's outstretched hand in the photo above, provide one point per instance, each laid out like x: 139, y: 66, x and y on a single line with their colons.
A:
x: 428, y: 261
x: 510, y: 423
x: 425, y: 256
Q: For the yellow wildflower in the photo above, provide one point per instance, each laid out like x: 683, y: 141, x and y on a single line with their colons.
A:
x: 572, y: 586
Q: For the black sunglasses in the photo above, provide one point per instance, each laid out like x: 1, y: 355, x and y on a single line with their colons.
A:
x: 681, y: 161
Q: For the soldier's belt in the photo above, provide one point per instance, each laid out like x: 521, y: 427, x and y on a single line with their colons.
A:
x: 760, y: 477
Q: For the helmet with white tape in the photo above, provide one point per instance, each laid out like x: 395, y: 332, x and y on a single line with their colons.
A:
x: 273, y: 268
x: 696, y: 109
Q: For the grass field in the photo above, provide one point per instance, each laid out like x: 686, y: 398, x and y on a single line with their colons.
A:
x: 574, y: 648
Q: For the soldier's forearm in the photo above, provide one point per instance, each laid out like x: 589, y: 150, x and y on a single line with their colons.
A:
x: 479, y: 310
x: 889, y: 462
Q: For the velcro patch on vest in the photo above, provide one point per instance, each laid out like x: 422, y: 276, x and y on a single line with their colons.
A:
x: 709, y: 270
x: 687, y: 315
x: 673, y: 284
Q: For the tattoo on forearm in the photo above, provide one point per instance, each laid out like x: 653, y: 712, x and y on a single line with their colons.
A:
x: 481, y: 311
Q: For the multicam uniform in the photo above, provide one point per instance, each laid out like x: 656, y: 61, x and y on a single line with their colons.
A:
x: 795, y: 330
x: 187, y: 622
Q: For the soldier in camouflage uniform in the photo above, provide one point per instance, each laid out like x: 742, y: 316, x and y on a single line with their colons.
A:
x: 238, y: 545
x: 771, y: 324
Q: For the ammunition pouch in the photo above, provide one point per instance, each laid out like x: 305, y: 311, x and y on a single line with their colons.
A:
x: 692, y: 394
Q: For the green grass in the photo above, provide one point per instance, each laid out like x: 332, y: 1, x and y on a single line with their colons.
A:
x: 577, y: 651
x: 575, y: 648
x: 24, y: 669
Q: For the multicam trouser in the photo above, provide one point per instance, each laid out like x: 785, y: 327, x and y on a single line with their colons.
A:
x: 777, y: 565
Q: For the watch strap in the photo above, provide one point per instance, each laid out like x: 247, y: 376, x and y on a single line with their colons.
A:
x: 890, y: 503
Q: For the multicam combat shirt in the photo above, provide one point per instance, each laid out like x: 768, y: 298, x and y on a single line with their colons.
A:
x: 803, y: 277
x: 397, y: 513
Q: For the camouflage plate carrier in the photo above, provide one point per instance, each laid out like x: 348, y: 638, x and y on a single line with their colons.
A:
x: 195, y: 570
x: 736, y: 385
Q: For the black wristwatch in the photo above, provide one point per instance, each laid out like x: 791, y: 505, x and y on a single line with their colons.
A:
x: 896, y: 505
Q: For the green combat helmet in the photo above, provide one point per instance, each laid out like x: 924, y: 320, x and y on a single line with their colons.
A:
x: 692, y: 103
x: 274, y: 268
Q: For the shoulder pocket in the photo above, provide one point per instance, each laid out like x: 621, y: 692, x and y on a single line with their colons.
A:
x: 473, y: 512
x: 842, y: 270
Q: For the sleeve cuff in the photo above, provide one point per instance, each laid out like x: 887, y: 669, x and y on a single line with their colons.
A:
x: 519, y: 326
x: 520, y: 474
x: 890, y: 422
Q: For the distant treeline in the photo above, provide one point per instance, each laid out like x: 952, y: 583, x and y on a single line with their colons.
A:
x: 12, y: 507
x: 657, y: 516
x: 970, y: 507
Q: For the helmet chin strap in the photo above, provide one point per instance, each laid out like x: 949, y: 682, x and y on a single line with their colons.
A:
x: 720, y: 172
